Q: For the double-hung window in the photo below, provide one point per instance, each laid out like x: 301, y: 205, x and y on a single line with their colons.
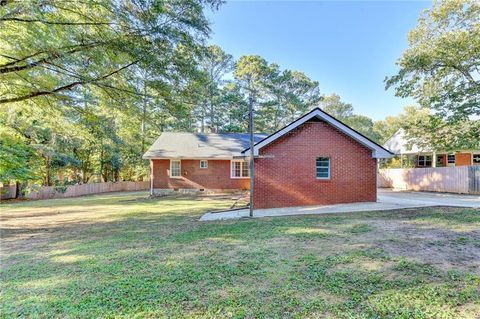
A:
x: 203, y: 164
x: 476, y: 159
x: 451, y: 159
x: 175, y: 168
x: 440, y: 160
x: 424, y: 160
x: 323, y: 167
x: 239, y: 169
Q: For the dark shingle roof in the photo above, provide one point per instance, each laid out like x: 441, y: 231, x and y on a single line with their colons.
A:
x: 195, y: 145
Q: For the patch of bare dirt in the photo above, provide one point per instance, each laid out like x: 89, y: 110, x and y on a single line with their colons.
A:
x: 436, y: 245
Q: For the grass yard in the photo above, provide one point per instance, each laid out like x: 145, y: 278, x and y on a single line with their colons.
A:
x: 122, y: 255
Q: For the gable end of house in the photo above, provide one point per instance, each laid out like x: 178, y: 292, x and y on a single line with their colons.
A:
x: 377, y: 150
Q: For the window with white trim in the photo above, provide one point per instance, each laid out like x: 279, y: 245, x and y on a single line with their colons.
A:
x: 239, y: 169
x: 451, y: 159
x: 440, y: 160
x: 175, y: 168
x: 476, y: 159
x: 323, y: 167
x: 425, y: 160
x: 203, y: 164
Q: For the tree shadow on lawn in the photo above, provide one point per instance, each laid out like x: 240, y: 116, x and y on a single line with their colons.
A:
x: 163, y: 264
x: 253, y: 282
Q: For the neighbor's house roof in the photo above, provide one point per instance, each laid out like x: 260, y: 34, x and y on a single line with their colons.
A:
x: 399, y: 144
x: 377, y: 150
x: 200, y: 146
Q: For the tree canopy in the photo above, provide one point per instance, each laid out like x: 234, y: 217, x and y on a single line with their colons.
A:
x: 53, y: 48
x: 441, y: 67
x: 87, y: 86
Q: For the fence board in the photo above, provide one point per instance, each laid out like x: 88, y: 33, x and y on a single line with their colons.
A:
x: 8, y: 192
x: 459, y: 179
x: 45, y: 192
x: 474, y: 179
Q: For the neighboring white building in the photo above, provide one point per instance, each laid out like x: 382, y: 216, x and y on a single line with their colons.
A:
x: 399, y: 145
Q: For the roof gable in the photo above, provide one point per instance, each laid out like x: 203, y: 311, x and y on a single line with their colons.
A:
x: 399, y: 144
x: 377, y: 150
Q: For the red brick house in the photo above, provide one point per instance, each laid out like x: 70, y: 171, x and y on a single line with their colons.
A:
x: 315, y: 160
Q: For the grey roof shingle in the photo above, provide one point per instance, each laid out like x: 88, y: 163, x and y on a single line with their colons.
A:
x: 195, y: 145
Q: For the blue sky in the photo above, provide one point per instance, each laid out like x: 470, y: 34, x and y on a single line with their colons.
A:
x: 349, y: 47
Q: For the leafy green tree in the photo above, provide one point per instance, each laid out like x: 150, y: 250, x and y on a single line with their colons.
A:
x: 364, y: 125
x: 250, y: 74
x: 279, y: 96
x: 236, y: 107
x: 290, y: 94
x: 431, y: 131
x: 441, y: 67
x: 334, y: 106
x: 52, y: 48
x: 210, y: 110
x: 387, y: 128
x: 88, y: 85
x: 14, y: 155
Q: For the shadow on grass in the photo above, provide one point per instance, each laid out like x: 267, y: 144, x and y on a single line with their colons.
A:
x: 148, y: 262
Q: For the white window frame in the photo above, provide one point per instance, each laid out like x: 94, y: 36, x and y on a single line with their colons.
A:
x: 473, y: 163
x: 242, y: 163
x: 206, y: 164
x: 328, y: 170
x: 179, y: 168
x: 425, y: 160
x: 439, y: 159
x: 454, y: 160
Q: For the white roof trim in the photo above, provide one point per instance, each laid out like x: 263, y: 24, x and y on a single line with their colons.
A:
x: 377, y: 150
x: 191, y: 158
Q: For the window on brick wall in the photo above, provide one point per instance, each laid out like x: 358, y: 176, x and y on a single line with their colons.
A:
x: 440, y: 160
x: 203, y: 164
x: 239, y: 169
x: 424, y: 160
x: 476, y: 159
x: 451, y: 159
x: 323, y: 167
x: 175, y: 168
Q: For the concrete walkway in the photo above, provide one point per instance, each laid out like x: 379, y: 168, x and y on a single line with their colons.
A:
x: 387, y: 200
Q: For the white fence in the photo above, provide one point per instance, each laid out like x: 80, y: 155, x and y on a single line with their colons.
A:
x: 460, y: 179
x: 45, y: 192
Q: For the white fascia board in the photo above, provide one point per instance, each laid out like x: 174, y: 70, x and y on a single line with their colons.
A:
x: 377, y: 151
x: 188, y: 158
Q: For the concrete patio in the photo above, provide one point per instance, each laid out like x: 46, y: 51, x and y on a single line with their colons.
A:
x: 387, y: 200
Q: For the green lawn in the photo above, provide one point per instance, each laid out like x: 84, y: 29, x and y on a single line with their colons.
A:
x: 122, y: 255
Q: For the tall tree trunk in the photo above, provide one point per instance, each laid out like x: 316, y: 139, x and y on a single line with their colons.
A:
x: 204, y: 115
x: 212, y: 118
x: 144, y: 113
x: 48, y: 177
x: 116, y: 175
x: 84, y: 176
x: 101, y: 165
x: 17, y: 189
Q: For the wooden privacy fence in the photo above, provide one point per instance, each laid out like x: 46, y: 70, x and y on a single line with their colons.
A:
x: 460, y: 179
x: 45, y: 192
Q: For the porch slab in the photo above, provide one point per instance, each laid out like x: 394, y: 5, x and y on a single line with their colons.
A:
x: 387, y: 200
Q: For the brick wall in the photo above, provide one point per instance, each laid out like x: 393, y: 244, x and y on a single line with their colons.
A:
x: 216, y: 176
x: 289, y: 178
x: 463, y: 159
